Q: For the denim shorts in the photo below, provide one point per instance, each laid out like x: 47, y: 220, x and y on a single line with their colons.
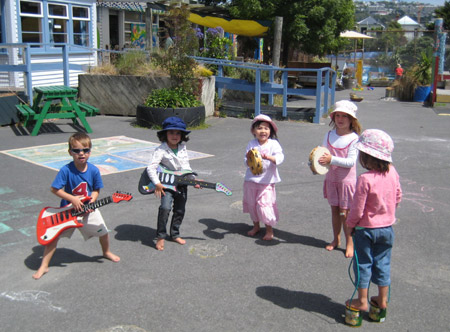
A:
x: 373, y: 248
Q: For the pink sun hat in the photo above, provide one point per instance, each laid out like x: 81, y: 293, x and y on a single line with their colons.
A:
x: 345, y: 106
x: 264, y: 118
x: 376, y: 143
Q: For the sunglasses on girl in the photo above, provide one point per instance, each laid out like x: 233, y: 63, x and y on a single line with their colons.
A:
x: 78, y: 151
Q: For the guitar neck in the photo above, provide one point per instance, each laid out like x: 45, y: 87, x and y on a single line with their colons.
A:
x: 95, y: 205
x: 202, y: 184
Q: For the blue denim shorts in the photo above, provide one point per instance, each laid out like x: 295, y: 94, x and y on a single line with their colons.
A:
x: 373, y: 248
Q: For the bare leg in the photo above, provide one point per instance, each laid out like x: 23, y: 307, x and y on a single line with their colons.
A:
x: 255, y: 229
x: 104, y: 242
x: 361, y: 302
x: 49, y: 251
x: 336, y: 223
x: 269, y: 233
x: 382, y: 298
x: 348, y: 237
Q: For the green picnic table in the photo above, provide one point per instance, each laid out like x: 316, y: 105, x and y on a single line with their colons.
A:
x: 55, y: 102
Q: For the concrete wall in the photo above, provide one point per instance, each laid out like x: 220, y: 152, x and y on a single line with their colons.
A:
x: 120, y: 95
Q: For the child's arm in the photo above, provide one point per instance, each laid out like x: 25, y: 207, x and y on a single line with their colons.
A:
x: 75, y: 200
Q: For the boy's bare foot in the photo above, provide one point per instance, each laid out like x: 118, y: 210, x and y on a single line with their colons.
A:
x: 333, y: 245
x: 109, y: 255
x: 179, y: 240
x: 40, y: 272
x: 377, y: 301
x: 253, y: 231
x: 357, y: 304
x: 160, y: 244
x: 349, y: 251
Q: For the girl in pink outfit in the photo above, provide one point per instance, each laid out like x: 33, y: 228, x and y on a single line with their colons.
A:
x: 340, y: 181
x: 371, y: 217
x: 259, y: 190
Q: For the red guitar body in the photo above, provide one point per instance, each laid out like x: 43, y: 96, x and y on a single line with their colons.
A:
x: 53, y: 221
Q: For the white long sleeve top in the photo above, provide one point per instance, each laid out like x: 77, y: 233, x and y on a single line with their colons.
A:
x: 270, y: 170
x: 341, y: 142
x: 164, y: 155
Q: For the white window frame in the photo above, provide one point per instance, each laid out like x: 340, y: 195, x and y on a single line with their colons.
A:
x: 41, y: 16
x: 65, y: 18
x: 127, y: 31
x: 86, y: 19
x: 45, y: 16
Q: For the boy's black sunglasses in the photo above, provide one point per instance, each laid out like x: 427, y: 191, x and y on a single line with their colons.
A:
x: 77, y: 151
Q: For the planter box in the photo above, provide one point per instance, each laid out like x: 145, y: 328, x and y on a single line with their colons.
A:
x: 120, y: 95
x: 151, y: 116
x: 380, y: 83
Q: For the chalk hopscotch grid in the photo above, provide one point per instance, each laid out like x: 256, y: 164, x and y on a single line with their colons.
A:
x: 110, y: 154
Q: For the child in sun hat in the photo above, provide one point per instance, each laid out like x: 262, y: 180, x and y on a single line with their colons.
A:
x: 372, y: 214
x: 340, y: 181
x: 173, y: 155
x: 259, y: 189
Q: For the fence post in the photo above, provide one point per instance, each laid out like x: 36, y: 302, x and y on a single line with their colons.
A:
x: 258, y: 92
x: 271, y: 79
x: 66, y: 71
x: 285, y: 87
x: 220, y: 74
x: 28, y: 77
x: 318, y: 97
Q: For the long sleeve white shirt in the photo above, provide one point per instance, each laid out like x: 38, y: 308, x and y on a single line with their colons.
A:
x: 164, y: 155
x: 341, y: 142
x: 270, y: 170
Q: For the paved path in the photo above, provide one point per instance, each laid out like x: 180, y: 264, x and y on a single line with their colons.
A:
x: 223, y: 280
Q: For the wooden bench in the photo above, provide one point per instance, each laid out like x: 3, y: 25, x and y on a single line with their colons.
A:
x: 25, y: 113
x: 88, y: 109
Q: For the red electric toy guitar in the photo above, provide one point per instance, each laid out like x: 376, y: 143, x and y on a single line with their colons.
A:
x: 53, y: 221
x: 170, y: 180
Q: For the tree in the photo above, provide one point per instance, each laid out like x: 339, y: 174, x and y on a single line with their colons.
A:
x: 313, y: 26
x: 444, y: 12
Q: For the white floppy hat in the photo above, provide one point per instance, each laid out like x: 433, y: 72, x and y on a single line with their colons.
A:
x: 376, y: 143
x: 265, y: 118
x: 345, y: 106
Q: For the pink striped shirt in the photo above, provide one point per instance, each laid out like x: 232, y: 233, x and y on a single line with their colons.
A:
x: 375, y: 200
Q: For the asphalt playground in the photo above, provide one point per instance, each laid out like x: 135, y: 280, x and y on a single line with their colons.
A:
x: 223, y: 280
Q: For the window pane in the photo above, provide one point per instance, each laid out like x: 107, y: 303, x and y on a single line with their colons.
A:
x: 132, y: 16
x: 80, y: 33
x: 30, y: 8
x: 56, y: 10
x: 80, y: 12
x: 58, y: 30
x: 31, y: 30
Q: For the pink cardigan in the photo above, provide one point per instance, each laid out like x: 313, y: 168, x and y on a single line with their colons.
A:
x: 375, y: 199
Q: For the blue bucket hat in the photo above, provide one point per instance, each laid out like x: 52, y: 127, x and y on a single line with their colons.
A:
x: 174, y: 123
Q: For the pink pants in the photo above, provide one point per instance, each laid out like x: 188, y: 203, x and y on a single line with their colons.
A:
x: 260, y: 200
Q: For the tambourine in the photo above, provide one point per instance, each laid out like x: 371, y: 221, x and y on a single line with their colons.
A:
x: 254, y: 161
x: 314, y: 157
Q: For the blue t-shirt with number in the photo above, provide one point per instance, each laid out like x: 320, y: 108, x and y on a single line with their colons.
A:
x: 78, y: 183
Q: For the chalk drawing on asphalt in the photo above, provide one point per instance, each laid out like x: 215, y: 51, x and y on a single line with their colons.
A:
x: 110, y: 154
x: 35, y: 297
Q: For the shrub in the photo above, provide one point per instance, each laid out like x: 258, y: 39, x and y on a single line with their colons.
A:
x: 171, y: 98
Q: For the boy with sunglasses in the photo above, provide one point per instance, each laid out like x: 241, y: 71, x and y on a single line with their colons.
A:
x: 75, y: 180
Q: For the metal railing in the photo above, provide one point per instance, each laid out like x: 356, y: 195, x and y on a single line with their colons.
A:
x: 325, y: 79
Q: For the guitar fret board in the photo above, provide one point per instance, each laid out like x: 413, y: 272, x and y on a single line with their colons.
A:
x: 93, y: 206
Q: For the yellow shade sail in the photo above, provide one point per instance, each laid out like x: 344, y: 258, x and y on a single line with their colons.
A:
x: 247, y: 28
